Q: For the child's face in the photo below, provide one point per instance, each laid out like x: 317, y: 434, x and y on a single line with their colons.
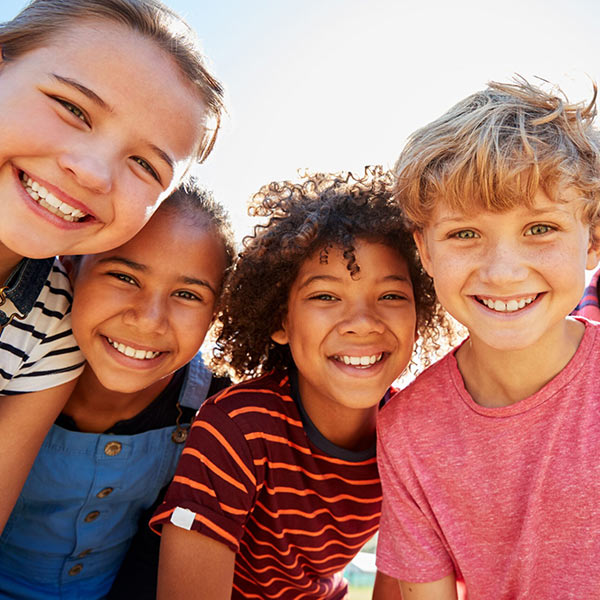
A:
x: 350, y: 338
x: 101, y: 119
x: 141, y: 311
x: 511, y: 278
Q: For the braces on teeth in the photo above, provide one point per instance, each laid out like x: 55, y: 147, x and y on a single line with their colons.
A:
x: 50, y: 202
x: 132, y: 352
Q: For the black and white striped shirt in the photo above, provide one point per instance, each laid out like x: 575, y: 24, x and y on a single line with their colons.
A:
x: 40, y: 351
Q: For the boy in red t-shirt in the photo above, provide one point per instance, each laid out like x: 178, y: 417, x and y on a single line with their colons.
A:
x: 489, y: 459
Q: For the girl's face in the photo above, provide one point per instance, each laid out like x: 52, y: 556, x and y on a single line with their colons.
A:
x: 349, y: 337
x: 141, y: 311
x: 95, y: 128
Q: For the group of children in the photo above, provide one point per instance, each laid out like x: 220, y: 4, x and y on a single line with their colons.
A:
x: 113, y: 428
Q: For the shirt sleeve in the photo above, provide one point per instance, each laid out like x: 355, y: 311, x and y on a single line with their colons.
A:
x: 50, y: 355
x: 410, y: 545
x: 214, y: 487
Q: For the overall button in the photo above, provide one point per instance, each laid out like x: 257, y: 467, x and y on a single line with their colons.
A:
x: 84, y: 553
x: 105, y: 492
x: 76, y: 569
x: 112, y: 448
x: 91, y: 516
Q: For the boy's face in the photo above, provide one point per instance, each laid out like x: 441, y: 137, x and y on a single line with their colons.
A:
x: 141, y: 311
x: 102, y: 120
x: 350, y: 338
x: 512, y: 277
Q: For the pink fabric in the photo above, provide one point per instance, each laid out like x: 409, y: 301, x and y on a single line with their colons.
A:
x: 507, y: 498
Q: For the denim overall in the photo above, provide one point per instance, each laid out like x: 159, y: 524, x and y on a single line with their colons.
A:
x: 23, y: 287
x: 80, y: 506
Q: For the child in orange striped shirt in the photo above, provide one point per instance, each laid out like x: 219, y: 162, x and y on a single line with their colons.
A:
x: 278, y: 487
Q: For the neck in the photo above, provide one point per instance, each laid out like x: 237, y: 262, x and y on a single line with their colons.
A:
x: 496, y: 378
x: 8, y: 261
x: 349, y: 428
x: 95, y: 408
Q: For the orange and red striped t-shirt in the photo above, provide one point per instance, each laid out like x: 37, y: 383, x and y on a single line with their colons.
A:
x: 258, y: 476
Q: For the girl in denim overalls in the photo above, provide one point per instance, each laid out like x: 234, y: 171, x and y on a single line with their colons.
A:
x: 103, y: 105
x: 140, y: 314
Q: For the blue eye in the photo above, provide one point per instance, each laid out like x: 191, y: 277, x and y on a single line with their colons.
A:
x: 539, y: 229
x: 145, y: 165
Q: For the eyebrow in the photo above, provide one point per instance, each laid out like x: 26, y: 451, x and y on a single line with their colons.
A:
x: 144, y: 269
x: 162, y: 154
x: 84, y: 90
x: 104, y: 106
x: 331, y: 278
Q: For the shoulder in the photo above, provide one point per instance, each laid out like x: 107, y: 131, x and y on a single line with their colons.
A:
x: 56, y: 293
x: 259, y: 404
x: 269, y: 390
x: 432, y: 387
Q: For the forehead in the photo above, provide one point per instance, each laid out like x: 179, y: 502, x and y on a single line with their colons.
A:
x: 141, y: 83
x: 170, y: 243
x: 567, y: 202
x: 375, y: 260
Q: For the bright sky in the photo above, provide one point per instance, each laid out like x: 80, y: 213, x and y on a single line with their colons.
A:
x: 339, y: 84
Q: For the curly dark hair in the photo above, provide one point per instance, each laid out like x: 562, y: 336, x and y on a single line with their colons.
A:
x: 320, y: 212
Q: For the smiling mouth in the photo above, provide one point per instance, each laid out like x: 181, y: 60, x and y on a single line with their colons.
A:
x: 510, y: 306
x: 360, y: 362
x: 50, y: 202
x: 133, y: 352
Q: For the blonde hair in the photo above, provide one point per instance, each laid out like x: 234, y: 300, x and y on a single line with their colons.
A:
x: 495, y: 148
x: 41, y: 20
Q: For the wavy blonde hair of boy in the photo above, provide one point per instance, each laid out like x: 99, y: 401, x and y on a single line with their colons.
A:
x: 495, y: 148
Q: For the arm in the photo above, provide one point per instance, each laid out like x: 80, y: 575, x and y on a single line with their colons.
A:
x: 442, y: 589
x: 210, y: 578
x: 386, y: 588
x: 24, y: 422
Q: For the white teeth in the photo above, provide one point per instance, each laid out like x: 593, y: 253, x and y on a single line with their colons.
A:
x: 50, y: 202
x: 132, y: 352
x: 359, y: 361
x: 510, y: 306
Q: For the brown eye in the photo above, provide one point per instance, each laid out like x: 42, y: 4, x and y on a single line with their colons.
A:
x: 73, y: 109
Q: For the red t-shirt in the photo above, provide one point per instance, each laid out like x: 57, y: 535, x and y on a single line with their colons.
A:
x: 506, y: 498
x: 258, y: 476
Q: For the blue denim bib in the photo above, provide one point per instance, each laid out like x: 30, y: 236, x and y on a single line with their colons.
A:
x: 80, y: 506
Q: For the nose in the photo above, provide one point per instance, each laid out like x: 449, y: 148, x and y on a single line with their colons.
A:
x: 362, y: 320
x: 148, y: 314
x: 503, y: 263
x: 90, y: 168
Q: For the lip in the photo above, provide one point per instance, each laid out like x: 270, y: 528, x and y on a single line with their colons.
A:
x: 90, y: 219
x: 131, y: 362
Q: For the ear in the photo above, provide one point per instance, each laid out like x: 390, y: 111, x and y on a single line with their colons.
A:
x: 593, y: 252
x: 423, y: 251
x: 280, y: 336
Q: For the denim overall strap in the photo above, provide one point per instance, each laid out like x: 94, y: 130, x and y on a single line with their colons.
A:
x: 196, y: 385
x: 24, y: 286
x: 192, y: 395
